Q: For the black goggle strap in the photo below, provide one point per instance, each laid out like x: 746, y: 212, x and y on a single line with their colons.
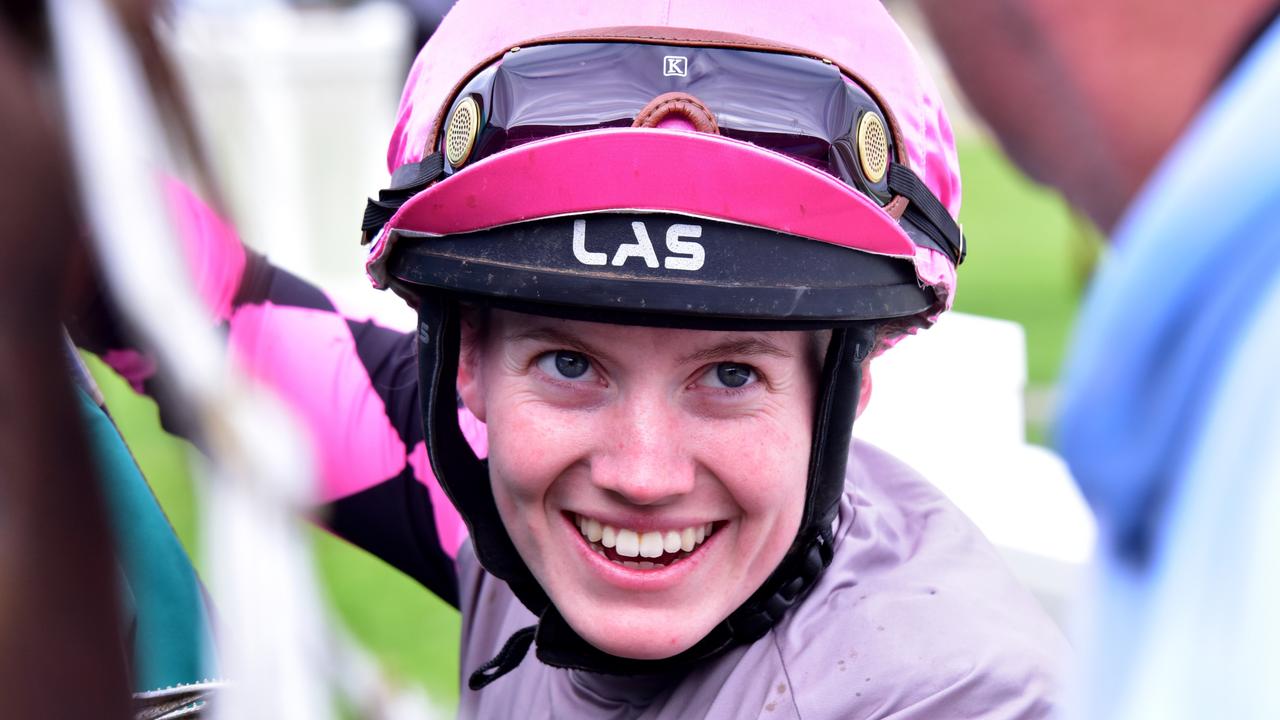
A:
x: 926, y: 212
x: 407, y: 181
x: 463, y: 476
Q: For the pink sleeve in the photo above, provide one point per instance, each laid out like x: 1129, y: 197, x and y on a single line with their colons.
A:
x: 351, y: 382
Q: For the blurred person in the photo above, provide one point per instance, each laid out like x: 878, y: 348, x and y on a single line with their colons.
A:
x: 98, y: 594
x: 653, y: 248
x: 62, y: 647
x: 1159, y: 120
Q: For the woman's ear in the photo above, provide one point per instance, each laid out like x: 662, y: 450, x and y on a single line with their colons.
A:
x: 864, y: 394
x: 471, y: 362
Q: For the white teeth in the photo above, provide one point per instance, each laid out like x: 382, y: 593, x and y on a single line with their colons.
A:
x: 628, y: 544
x: 651, y: 545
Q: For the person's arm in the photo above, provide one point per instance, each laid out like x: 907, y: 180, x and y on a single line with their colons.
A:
x: 351, y: 383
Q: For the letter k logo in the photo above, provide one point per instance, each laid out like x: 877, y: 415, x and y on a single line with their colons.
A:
x: 675, y: 65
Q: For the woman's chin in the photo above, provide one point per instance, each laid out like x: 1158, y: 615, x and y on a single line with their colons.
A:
x: 640, y: 648
x: 640, y: 641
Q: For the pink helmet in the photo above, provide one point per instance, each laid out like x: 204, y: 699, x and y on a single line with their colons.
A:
x: 688, y: 163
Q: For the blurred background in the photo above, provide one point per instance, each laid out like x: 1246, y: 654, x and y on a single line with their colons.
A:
x: 296, y: 101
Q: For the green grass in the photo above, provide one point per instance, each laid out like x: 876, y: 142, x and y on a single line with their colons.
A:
x: 414, y: 634
x: 1028, y: 257
x: 1023, y: 265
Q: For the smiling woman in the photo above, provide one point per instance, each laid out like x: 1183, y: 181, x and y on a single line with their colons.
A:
x: 635, y: 467
x: 626, y: 230
x: 657, y: 288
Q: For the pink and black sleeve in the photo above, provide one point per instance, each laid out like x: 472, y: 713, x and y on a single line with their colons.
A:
x: 351, y: 382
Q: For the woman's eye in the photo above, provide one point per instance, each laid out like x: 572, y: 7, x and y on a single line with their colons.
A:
x: 730, y: 375
x: 564, y: 364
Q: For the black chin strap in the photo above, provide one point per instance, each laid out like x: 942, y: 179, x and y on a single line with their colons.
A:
x: 507, y: 659
x: 840, y: 388
x: 464, y: 477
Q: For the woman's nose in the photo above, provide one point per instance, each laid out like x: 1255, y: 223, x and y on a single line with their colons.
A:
x: 641, y: 455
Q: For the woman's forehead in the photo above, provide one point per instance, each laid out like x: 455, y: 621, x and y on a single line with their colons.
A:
x: 512, y: 327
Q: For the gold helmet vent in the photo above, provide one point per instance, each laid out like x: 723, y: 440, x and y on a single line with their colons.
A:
x: 873, y: 147
x: 460, y: 133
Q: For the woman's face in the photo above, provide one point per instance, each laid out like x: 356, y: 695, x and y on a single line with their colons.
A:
x: 651, y: 479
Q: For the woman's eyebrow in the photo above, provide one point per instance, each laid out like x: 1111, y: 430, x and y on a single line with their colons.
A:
x: 736, y: 348
x: 552, y: 336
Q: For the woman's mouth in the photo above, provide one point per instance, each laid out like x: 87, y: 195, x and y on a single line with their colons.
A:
x: 641, y: 550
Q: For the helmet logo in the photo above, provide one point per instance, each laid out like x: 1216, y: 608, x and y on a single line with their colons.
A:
x: 685, y: 254
x: 675, y: 66
x: 873, y: 147
x: 460, y: 134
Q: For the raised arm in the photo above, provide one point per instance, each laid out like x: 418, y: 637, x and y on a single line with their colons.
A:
x: 351, y: 382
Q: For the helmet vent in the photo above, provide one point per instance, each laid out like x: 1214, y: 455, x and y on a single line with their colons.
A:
x: 461, y: 133
x: 873, y: 147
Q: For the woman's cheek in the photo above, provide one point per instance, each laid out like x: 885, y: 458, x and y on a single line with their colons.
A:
x: 779, y: 473
x: 531, y: 445
x: 762, y: 463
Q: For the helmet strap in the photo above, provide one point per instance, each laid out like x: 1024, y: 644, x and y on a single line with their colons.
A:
x: 839, y: 390
x: 464, y: 477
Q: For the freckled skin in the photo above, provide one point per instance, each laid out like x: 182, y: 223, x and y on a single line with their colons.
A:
x: 647, y: 432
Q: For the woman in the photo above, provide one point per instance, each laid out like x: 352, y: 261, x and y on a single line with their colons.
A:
x: 653, y: 247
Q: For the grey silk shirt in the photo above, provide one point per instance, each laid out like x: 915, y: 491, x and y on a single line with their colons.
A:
x: 917, y: 617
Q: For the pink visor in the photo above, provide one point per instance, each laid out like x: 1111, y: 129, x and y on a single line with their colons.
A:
x: 648, y: 170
